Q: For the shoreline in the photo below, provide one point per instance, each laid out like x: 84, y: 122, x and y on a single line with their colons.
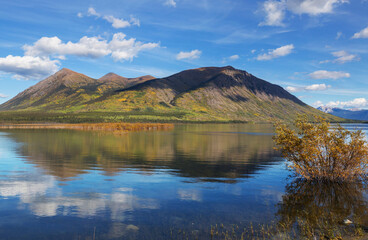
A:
x: 108, y: 127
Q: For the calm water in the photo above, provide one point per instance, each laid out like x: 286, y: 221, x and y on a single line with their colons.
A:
x: 61, y: 184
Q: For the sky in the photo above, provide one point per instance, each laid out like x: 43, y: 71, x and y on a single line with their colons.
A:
x: 315, y: 49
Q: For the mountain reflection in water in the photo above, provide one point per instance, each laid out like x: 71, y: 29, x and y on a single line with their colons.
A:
x: 190, y: 151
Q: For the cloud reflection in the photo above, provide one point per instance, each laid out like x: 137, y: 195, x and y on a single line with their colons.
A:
x: 45, y: 199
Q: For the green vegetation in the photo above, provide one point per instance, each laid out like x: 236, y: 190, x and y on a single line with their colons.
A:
x: 317, y: 151
x: 88, y: 117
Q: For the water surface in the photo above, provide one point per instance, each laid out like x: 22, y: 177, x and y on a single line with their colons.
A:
x: 64, y: 184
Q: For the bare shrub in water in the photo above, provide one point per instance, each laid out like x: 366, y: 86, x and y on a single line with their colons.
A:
x: 317, y: 151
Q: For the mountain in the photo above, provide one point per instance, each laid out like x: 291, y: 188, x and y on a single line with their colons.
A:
x: 66, y: 89
x: 114, y: 81
x: 348, y: 114
x: 203, y: 94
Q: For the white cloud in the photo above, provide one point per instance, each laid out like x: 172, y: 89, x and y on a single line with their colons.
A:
x: 275, y: 13
x: 27, y: 67
x: 276, y: 53
x: 313, y: 87
x: 317, y: 104
x: 323, y: 74
x: 253, y: 51
x: 3, y: 95
x: 317, y: 87
x: 127, y: 49
x: 116, y: 22
x: 355, y: 103
x: 170, y: 3
x: 343, y: 57
x: 92, y: 12
x: 275, y: 10
x: 80, y: 15
x: 92, y: 47
x: 231, y: 58
x: 361, y: 34
x: 234, y: 57
x: 194, y: 54
x: 119, y: 47
x: 313, y: 7
x: 292, y: 89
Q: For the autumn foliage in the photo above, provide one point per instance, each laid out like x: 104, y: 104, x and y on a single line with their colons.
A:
x: 318, y: 151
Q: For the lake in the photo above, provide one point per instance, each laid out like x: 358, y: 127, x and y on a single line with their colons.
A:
x: 65, y: 184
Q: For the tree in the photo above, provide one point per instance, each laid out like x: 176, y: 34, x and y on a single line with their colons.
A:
x: 318, y: 151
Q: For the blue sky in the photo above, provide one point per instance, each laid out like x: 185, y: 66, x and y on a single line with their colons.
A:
x: 316, y: 49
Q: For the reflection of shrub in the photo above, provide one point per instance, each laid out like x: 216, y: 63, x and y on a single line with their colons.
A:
x: 318, y: 209
x: 318, y: 152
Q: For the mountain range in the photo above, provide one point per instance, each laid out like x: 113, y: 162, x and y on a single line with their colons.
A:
x: 202, y: 94
x: 355, y: 114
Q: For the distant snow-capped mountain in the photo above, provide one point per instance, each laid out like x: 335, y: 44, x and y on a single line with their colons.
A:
x: 355, y: 114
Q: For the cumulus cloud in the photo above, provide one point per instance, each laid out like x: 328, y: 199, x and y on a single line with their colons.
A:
x: 355, y: 103
x: 3, y: 95
x: 276, y: 53
x: 313, y: 87
x: 194, y: 54
x: 170, y: 3
x: 361, y: 34
x: 275, y: 10
x: 275, y: 13
x: 92, y: 47
x: 126, y: 49
x: 323, y: 74
x: 120, y: 48
x: 27, y: 67
x: 80, y: 15
x: 115, y: 22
